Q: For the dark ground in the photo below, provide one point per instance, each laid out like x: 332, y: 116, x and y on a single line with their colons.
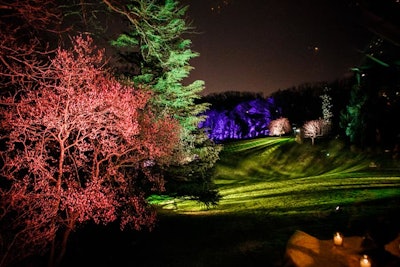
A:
x: 251, y: 240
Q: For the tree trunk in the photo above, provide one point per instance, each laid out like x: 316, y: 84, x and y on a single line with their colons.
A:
x: 55, y: 260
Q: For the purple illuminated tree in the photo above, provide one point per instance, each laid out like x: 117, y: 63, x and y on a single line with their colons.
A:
x: 248, y: 118
x: 78, y: 148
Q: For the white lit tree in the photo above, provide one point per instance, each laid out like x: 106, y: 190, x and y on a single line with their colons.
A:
x: 279, y: 127
x: 327, y: 107
x: 314, y: 128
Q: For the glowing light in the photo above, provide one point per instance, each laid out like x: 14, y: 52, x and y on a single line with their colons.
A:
x: 218, y: 6
x: 338, y: 239
x: 365, y: 261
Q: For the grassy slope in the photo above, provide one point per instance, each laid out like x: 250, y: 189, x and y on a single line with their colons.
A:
x: 270, y: 187
x: 279, y: 176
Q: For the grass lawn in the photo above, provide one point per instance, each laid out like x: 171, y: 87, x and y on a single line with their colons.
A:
x: 270, y: 187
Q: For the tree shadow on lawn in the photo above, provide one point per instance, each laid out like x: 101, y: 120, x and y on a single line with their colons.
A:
x: 247, y: 239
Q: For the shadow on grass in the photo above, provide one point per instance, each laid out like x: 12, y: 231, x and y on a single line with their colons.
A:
x: 255, y: 238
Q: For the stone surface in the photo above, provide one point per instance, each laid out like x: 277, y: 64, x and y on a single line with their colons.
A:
x: 394, y: 247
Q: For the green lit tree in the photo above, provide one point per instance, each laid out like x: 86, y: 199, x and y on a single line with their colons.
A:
x: 352, y: 119
x: 159, y: 55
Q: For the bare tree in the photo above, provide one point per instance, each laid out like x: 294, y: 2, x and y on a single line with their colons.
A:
x: 23, y: 54
x: 313, y: 129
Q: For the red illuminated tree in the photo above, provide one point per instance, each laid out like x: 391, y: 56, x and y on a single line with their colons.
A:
x: 78, y: 148
x: 279, y: 126
x: 24, y: 24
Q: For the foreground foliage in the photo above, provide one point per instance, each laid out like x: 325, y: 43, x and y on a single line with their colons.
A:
x: 156, y: 52
x: 78, y: 148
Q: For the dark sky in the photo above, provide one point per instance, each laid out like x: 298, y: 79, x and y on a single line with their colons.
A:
x: 266, y: 45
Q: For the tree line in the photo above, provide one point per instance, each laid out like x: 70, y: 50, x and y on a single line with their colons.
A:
x: 360, y: 109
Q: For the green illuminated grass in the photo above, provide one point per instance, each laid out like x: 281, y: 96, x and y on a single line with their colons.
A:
x: 279, y: 176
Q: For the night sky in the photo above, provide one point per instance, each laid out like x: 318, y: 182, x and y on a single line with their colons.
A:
x: 266, y: 45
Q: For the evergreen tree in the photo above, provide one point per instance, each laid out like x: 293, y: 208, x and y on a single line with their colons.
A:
x: 156, y: 48
x: 353, y: 118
